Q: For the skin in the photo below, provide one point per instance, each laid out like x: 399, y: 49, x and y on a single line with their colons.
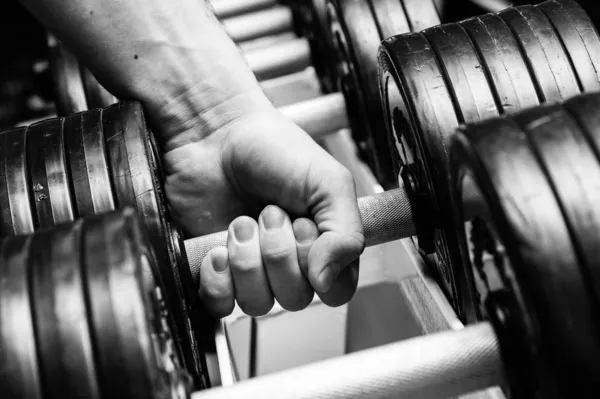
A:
x: 227, y: 152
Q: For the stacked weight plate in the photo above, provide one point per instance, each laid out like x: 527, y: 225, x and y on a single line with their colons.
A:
x: 79, y: 317
x: 435, y: 80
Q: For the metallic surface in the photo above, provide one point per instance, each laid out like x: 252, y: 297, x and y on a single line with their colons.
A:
x: 279, y: 59
x: 230, y: 8
x: 319, y: 116
x: 271, y: 21
x: 436, y: 366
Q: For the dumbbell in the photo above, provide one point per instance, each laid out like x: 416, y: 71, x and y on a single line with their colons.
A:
x: 357, y: 28
x: 62, y: 169
x: 525, y: 193
x: 433, y: 81
x: 536, y: 218
x: 254, y: 25
x: 83, y: 314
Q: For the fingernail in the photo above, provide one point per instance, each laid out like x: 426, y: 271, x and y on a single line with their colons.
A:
x: 273, y: 218
x: 304, y: 231
x: 243, y: 230
x: 327, y: 276
x: 220, y: 263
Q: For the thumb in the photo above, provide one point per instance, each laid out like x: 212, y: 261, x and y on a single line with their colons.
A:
x: 335, y: 211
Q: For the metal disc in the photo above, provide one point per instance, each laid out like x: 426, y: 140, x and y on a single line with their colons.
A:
x: 573, y: 171
x: 135, y: 353
x: 65, y: 349
x: 420, y: 120
x: 68, y: 85
x: 501, y: 60
x: 17, y: 214
x: 19, y: 377
x: 48, y: 171
x: 136, y: 181
x: 543, y: 52
x: 461, y: 66
x: 86, y: 153
x: 356, y: 40
x: 531, y: 252
x: 579, y: 38
x: 584, y: 110
x: 95, y: 94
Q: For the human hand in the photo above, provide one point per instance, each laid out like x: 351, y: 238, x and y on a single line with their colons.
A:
x: 263, y: 166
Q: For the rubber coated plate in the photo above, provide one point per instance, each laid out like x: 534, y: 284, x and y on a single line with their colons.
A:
x: 48, y: 171
x: 135, y: 178
x: 542, y: 269
x: 579, y: 37
x: 86, y: 153
x: 584, y: 109
x: 465, y: 78
x: 95, y: 94
x: 420, y: 119
x: 68, y: 86
x: 18, y: 357
x: 574, y: 171
x: 60, y: 315
x: 17, y: 204
x: 117, y: 309
x: 357, y: 39
x: 501, y: 59
x: 422, y: 14
x: 543, y: 51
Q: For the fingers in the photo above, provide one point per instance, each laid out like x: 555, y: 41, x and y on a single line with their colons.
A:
x: 252, y: 290
x: 306, y: 233
x: 216, y: 284
x: 335, y: 208
x: 343, y: 287
x: 280, y: 259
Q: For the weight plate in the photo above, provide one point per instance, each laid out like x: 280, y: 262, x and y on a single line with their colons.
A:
x: 356, y: 40
x: 573, y: 171
x: 48, y: 171
x: 579, y: 37
x: 136, y: 181
x: 533, y: 255
x: 543, y: 52
x: 462, y: 69
x: 134, y: 346
x: 19, y: 376
x: 584, y: 109
x: 422, y: 14
x: 65, y: 349
x: 17, y: 203
x: 86, y: 153
x: 68, y: 86
x: 95, y: 94
x: 501, y: 60
x: 420, y: 120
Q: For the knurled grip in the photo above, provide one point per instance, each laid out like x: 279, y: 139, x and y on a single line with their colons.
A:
x: 441, y: 365
x: 385, y: 216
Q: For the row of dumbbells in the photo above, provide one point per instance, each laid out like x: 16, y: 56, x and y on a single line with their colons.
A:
x: 513, y: 177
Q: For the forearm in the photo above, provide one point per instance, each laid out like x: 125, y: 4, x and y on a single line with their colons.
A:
x: 172, y: 55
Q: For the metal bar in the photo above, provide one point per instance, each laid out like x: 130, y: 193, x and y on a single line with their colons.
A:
x: 434, y: 366
x: 279, y: 59
x: 232, y: 8
x: 319, y: 116
x: 268, y: 22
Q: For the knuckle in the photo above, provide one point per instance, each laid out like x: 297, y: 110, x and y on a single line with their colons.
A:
x: 278, y: 255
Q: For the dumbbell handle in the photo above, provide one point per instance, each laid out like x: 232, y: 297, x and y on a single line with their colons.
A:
x: 270, y: 21
x: 230, y: 8
x: 434, y: 366
x: 386, y: 217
